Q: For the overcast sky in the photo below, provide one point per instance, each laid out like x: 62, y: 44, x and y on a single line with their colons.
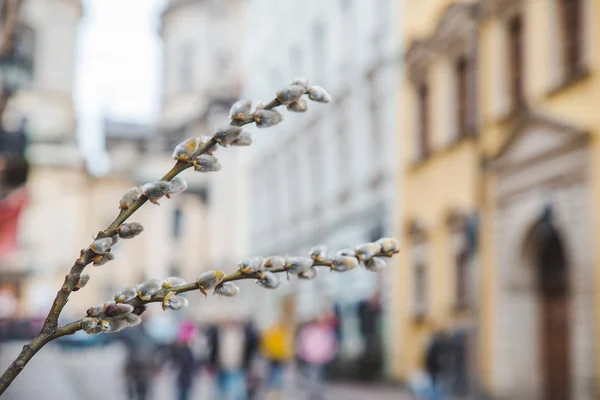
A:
x: 118, y: 67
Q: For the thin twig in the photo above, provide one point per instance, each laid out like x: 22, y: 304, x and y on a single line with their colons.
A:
x: 50, y: 330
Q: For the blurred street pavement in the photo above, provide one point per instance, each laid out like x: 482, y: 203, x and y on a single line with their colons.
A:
x: 95, y: 374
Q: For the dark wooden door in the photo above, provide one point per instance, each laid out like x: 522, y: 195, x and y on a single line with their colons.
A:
x: 554, y: 326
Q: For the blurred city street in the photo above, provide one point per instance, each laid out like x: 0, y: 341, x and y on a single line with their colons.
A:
x: 95, y: 374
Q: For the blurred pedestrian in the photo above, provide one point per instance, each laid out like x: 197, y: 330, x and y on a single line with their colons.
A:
x: 250, y: 351
x: 183, y: 360
x: 141, y: 363
x: 317, y: 346
x: 439, y: 361
x: 228, y: 343
x: 276, y: 346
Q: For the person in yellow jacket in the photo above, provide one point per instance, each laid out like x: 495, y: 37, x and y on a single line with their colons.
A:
x: 277, y: 347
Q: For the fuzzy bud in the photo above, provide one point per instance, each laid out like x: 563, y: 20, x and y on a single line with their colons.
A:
x: 250, y: 266
x: 103, y: 259
x: 125, y: 295
x: 226, y: 135
x: 177, y: 185
x: 299, y: 105
x: 155, y: 190
x: 83, y: 280
x: 173, y: 302
x: 129, y: 230
x: 96, y: 310
x: 301, y: 81
x: 344, y: 260
x: 101, y: 246
x: 90, y: 325
x: 240, y: 110
x: 209, y: 279
x: 206, y: 163
x: 129, y: 197
x: 389, y: 245
x: 268, y: 280
x: 318, y: 94
x: 227, y: 289
x: 111, y: 325
x: 309, y: 274
x: 132, y: 319
x: 366, y: 251
x: 318, y: 253
x: 149, y: 288
x: 296, y: 265
x: 173, y: 281
x: 375, y: 264
x: 118, y: 310
x: 290, y: 94
x: 245, y: 139
x: 267, y: 118
x: 185, y: 150
x: 274, y: 262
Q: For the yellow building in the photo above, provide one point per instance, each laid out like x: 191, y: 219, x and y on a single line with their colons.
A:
x: 498, y: 143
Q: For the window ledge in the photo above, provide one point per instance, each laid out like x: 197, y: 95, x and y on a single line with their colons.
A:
x: 461, y: 306
x: 569, y: 80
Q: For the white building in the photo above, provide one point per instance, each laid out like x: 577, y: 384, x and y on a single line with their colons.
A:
x: 325, y: 176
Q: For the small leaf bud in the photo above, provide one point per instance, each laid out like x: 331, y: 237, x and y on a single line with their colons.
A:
x: 367, y: 251
x: 227, y: 289
x: 155, y: 190
x: 149, y: 288
x: 296, y: 265
x: 245, y: 139
x: 309, y: 274
x: 375, y: 264
x: 274, y: 262
x: 90, y: 325
x: 101, y: 246
x: 319, y: 253
x: 267, y: 118
x: 226, y: 135
x: 389, y: 245
x: 185, y: 150
x: 96, y: 310
x: 177, y: 185
x: 206, y: 163
x: 129, y: 197
x: 318, y: 94
x: 173, y: 302
x: 129, y: 230
x: 250, y: 266
x: 83, y: 280
x: 111, y: 325
x: 240, y: 110
x: 118, y: 310
x: 299, y: 105
x: 173, y: 281
x: 301, y: 81
x: 290, y: 94
x: 209, y: 279
x: 103, y: 259
x: 268, y: 280
x: 125, y: 295
x: 344, y: 260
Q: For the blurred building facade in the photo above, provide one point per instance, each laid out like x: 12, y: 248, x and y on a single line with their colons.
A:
x: 41, y: 110
x: 326, y: 176
x: 498, y: 184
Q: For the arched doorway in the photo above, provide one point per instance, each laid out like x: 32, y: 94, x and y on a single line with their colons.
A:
x: 551, y: 268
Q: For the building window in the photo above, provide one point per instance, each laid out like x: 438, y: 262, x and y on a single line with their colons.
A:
x: 423, y: 110
x: 319, y: 59
x: 186, y: 67
x: 177, y: 214
x: 515, y: 59
x: 572, y: 34
x: 462, y: 280
x: 420, y: 293
x: 461, y: 71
